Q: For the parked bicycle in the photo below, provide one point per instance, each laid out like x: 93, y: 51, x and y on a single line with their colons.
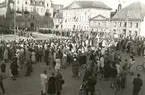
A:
x: 83, y: 90
x: 141, y: 67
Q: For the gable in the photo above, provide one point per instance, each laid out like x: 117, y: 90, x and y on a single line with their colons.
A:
x: 99, y: 17
x: 74, y: 5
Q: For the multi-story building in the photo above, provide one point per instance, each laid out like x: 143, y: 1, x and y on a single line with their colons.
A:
x: 100, y: 24
x: 129, y: 20
x: 29, y: 13
x: 40, y: 6
x: 3, y: 8
x: 77, y: 15
x: 58, y: 16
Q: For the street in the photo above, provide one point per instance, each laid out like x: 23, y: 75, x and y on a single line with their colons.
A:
x: 31, y: 85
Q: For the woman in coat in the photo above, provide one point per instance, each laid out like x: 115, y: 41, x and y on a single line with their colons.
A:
x: 14, y: 68
x: 33, y: 57
x: 59, y: 82
x: 52, y: 85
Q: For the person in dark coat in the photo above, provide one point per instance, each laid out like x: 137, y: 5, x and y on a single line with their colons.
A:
x: 46, y: 56
x: 75, y: 68
x: 14, y: 68
x: 90, y: 85
x: 29, y: 67
x: 137, y: 84
x: 52, y: 84
x: 59, y: 82
x: 3, y: 66
x: 113, y: 74
x: 87, y: 74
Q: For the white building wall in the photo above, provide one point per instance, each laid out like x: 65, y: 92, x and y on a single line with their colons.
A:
x: 3, y: 11
x: 83, y: 16
x: 142, y: 26
x: 26, y: 5
x: 131, y: 29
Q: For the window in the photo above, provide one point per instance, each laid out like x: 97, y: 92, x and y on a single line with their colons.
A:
x: 99, y: 23
x: 136, y: 33
x: 31, y: 8
x: 136, y: 25
x: 130, y: 32
x: 120, y: 24
x: 43, y: 4
x: 125, y: 24
x: 41, y: 9
x: 130, y: 24
x: 26, y: 9
x: 18, y: 2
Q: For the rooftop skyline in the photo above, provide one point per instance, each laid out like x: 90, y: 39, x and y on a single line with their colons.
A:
x: 111, y: 3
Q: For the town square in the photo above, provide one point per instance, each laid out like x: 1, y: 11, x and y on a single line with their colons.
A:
x: 72, y: 47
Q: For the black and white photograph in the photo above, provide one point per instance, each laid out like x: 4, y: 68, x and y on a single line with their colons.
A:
x: 72, y: 47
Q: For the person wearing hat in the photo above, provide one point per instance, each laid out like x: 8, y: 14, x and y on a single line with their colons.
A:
x: 137, y: 84
x: 29, y: 68
x: 75, y: 66
x: 59, y: 82
x: 52, y: 84
x: 90, y: 85
x: 14, y: 68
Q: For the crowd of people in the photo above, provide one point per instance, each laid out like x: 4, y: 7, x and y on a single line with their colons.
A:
x: 100, y: 57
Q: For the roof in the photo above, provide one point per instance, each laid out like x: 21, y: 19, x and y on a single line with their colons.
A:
x: 89, y: 4
x: 59, y: 15
x: 99, y: 18
x: 57, y: 7
x: 134, y: 11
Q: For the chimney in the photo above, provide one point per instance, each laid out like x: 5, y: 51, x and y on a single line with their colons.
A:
x: 119, y: 7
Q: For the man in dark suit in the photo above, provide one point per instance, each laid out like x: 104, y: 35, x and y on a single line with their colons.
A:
x: 137, y: 83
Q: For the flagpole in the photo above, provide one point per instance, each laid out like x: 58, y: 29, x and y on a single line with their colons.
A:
x: 14, y: 5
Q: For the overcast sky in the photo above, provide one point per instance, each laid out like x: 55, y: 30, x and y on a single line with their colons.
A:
x: 111, y: 3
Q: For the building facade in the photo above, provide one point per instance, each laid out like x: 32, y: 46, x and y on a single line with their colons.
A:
x: 58, y: 16
x: 29, y: 13
x: 100, y: 24
x: 128, y: 21
x: 77, y: 15
x: 40, y: 6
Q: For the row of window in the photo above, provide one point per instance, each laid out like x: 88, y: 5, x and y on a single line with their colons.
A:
x: 97, y: 23
x: 130, y: 32
x: 77, y: 27
x: 33, y: 2
x: 77, y: 19
x: 32, y: 9
x: 130, y: 25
